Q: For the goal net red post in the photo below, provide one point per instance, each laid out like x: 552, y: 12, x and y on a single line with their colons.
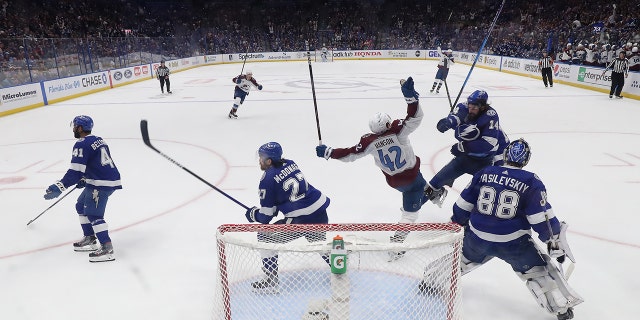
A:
x: 293, y: 271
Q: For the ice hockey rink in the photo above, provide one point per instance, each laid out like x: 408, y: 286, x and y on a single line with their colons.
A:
x: 586, y: 149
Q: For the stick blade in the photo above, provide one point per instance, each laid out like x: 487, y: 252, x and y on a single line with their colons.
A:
x: 145, y: 132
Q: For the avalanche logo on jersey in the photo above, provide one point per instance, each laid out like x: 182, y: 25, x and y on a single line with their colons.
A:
x: 467, y: 132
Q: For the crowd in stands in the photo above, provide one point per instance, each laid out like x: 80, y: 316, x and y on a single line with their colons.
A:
x: 101, y: 34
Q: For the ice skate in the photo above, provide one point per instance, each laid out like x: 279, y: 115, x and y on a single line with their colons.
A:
x: 232, y: 114
x: 567, y: 315
x: 88, y: 243
x: 396, y: 255
x: 105, y: 253
x: 268, y: 285
x: 436, y: 196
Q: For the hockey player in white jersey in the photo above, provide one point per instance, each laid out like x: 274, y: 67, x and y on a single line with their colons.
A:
x: 244, y: 83
x: 446, y: 60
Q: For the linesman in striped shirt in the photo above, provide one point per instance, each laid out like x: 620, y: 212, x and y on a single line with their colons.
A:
x: 162, y: 73
x: 546, y: 67
x: 619, y: 70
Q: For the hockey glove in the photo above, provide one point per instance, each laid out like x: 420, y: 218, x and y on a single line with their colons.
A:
x: 54, y: 190
x: 555, y: 250
x: 238, y: 80
x: 408, y: 91
x: 81, y: 184
x: 443, y: 125
x: 558, y: 247
x: 251, y: 214
x: 323, y: 151
x: 457, y: 149
x: 259, y: 87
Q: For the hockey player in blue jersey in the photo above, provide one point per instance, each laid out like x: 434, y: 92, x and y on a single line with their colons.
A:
x: 244, y: 83
x: 393, y: 153
x: 283, y: 188
x: 498, y: 209
x: 93, y: 169
x: 480, y: 143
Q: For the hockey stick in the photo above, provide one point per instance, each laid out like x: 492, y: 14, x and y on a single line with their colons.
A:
x: 493, y: 24
x: 145, y: 137
x: 313, y: 91
x: 51, y: 206
x: 246, y: 53
x: 448, y: 96
x: 572, y: 265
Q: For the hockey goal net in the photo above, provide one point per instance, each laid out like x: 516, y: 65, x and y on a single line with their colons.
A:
x: 282, y: 271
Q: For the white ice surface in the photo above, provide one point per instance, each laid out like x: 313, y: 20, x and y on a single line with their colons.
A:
x: 586, y: 149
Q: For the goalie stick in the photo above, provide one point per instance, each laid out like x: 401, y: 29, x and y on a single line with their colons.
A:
x: 145, y: 137
x: 51, y: 206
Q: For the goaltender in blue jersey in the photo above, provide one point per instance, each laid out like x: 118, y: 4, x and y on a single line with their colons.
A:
x: 499, y: 208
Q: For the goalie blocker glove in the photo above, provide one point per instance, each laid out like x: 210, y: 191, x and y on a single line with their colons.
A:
x: 558, y: 247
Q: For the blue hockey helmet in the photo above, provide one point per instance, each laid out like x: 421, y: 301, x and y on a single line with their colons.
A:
x: 271, y: 150
x: 83, y: 121
x: 478, y: 97
x: 517, y: 153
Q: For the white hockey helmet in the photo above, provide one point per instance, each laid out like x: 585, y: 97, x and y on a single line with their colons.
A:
x: 449, y: 51
x: 249, y: 72
x: 379, y: 122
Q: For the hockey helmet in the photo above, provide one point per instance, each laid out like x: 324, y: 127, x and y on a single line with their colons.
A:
x: 271, y: 150
x: 83, y: 121
x: 162, y: 61
x: 379, y: 121
x: 249, y: 73
x: 478, y: 97
x: 449, y: 51
x: 517, y: 153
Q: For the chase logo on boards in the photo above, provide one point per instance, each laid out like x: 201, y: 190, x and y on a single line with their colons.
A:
x: 417, y: 53
x: 94, y: 80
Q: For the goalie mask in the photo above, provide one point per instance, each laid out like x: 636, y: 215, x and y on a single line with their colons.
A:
x: 517, y: 153
x: 380, y: 122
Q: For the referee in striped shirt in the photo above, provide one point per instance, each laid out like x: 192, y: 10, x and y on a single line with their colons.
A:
x: 162, y: 73
x: 620, y: 70
x: 546, y: 65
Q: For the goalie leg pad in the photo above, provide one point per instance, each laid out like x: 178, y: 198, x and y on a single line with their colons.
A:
x: 551, y: 292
